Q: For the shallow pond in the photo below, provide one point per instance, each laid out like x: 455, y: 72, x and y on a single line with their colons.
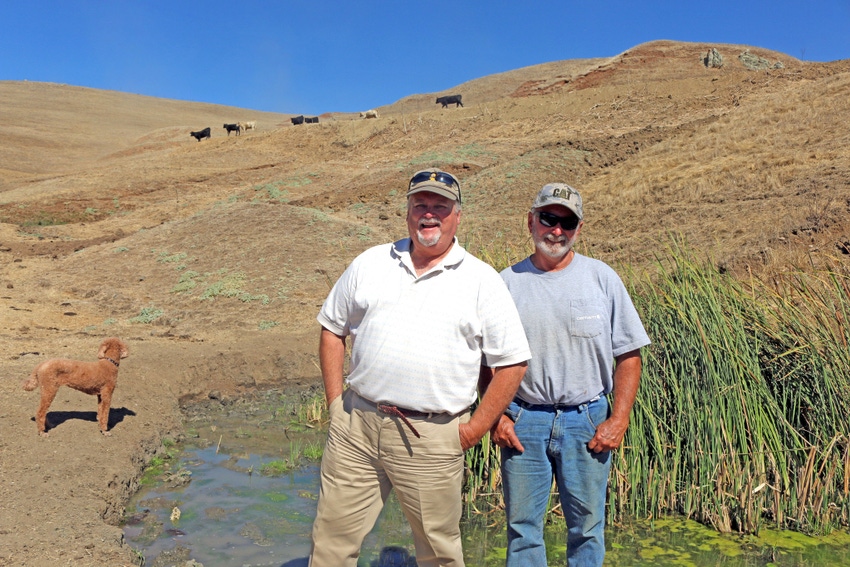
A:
x: 232, y: 512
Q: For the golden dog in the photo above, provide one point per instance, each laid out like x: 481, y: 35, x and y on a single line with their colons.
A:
x: 96, y: 378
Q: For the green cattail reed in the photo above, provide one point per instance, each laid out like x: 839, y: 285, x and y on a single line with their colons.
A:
x: 743, y: 404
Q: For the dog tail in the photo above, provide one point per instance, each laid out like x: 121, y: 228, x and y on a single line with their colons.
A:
x: 32, y: 382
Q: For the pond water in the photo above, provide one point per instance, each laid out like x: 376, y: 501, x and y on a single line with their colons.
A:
x: 239, y: 505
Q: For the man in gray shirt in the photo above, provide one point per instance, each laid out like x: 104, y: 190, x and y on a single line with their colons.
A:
x: 580, y: 321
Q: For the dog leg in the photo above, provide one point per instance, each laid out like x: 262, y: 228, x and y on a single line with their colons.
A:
x: 47, y: 395
x: 104, y: 399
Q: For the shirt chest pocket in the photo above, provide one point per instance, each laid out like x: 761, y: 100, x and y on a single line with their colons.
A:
x: 587, y: 318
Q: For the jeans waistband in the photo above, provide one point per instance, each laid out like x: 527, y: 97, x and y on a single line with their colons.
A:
x: 556, y: 407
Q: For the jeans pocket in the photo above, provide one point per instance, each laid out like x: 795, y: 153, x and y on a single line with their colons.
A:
x: 597, y: 412
x: 514, y: 411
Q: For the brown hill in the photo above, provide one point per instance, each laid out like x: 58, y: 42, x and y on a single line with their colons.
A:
x: 211, y: 258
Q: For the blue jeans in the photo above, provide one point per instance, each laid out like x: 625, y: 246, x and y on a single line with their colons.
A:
x: 555, y: 440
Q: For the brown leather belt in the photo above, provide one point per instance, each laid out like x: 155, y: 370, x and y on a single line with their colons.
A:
x: 403, y: 414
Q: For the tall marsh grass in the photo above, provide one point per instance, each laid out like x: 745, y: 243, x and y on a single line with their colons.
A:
x: 743, y: 414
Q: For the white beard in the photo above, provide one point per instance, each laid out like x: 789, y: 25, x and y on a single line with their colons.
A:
x: 431, y: 240
x: 554, y: 248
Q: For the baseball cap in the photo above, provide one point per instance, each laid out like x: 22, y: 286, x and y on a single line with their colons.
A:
x: 435, y: 181
x: 559, y: 194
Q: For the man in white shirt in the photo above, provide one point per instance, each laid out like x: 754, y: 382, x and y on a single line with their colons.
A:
x: 423, y: 316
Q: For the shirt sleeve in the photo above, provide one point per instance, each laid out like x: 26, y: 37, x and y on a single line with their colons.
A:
x: 335, y: 312
x: 627, y: 331
x: 504, y: 342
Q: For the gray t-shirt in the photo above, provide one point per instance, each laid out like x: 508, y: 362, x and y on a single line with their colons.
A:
x: 576, y: 320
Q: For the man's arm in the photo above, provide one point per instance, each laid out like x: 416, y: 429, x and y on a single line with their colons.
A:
x: 502, y: 433
x: 498, y: 391
x: 610, y: 433
x: 331, y: 359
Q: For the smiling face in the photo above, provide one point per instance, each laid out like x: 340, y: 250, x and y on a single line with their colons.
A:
x: 552, y: 243
x: 432, y: 222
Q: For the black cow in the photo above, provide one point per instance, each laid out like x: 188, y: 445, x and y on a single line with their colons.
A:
x: 205, y: 133
x: 231, y: 127
x: 451, y: 99
x: 311, y: 119
x: 297, y: 120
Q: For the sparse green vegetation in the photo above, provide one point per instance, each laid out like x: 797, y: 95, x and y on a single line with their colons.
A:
x: 473, y: 150
x: 318, y: 217
x: 165, y: 257
x: 186, y: 282
x: 274, y: 192
x: 147, y: 315
x: 314, y: 450
x: 44, y: 219
x: 158, y: 466
x: 229, y: 286
x: 364, y: 233
x: 277, y: 468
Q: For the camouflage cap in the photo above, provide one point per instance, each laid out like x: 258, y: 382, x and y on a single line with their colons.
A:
x: 559, y: 194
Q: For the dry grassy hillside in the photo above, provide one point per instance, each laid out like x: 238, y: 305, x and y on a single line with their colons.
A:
x: 749, y: 165
x: 50, y: 128
x: 212, y: 258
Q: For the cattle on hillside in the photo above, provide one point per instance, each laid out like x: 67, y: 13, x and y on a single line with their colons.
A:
x: 251, y: 125
x: 201, y: 134
x: 233, y: 128
x: 369, y: 114
x: 450, y: 99
x: 301, y: 119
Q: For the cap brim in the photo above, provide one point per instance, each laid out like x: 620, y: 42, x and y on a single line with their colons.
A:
x: 437, y: 188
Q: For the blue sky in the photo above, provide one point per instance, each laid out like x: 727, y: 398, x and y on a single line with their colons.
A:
x: 315, y: 56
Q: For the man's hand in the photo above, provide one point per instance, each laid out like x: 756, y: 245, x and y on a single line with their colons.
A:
x: 504, y: 435
x: 497, y: 390
x: 610, y: 433
x: 468, y: 438
x: 608, y: 436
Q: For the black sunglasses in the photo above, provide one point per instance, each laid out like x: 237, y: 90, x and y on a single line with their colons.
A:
x: 446, y: 179
x: 550, y: 220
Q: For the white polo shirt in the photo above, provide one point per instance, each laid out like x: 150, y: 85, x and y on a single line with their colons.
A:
x: 418, y: 342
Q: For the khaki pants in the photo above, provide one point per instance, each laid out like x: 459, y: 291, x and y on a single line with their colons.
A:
x: 369, y: 453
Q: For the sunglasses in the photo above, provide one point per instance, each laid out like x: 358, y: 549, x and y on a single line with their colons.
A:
x: 446, y: 179
x: 550, y: 220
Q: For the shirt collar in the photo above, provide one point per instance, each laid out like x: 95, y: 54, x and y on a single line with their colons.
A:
x: 401, y: 249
